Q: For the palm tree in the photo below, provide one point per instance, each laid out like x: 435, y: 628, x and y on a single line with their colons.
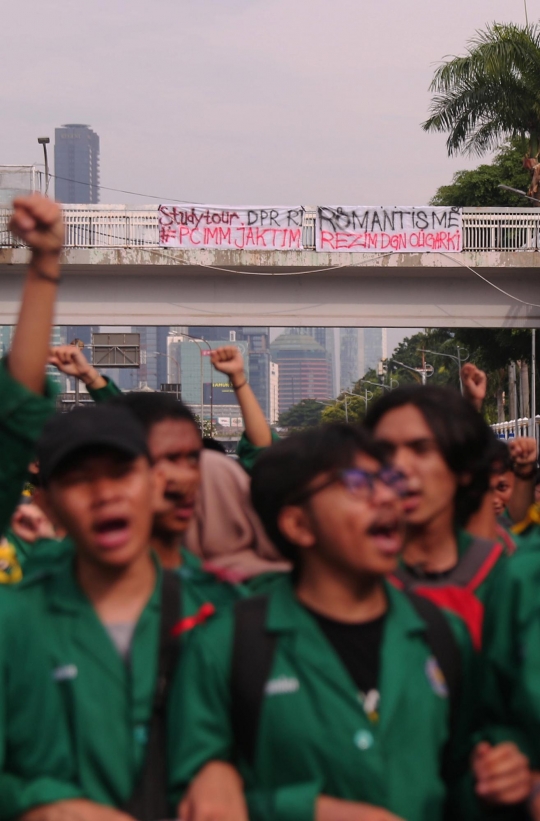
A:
x: 492, y: 94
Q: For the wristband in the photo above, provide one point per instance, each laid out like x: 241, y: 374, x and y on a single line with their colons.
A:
x: 48, y: 277
x: 237, y: 387
x: 95, y: 379
x: 526, y: 475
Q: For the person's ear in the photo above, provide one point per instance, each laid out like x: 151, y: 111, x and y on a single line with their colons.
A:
x: 45, y: 502
x: 295, y: 525
x: 158, y: 484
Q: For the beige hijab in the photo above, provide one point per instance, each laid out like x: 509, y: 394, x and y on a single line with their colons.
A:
x: 226, y: 533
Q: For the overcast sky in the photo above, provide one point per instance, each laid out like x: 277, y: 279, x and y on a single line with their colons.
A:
x: 241, y: 101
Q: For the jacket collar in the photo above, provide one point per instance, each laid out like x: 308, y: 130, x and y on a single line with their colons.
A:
x: 286, y: 613
x: 403, y: 627
x: 83, y: 628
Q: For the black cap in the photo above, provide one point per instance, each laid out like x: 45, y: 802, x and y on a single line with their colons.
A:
x: 109, y: 426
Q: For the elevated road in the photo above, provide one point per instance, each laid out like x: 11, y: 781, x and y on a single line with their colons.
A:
x: 130, y: 280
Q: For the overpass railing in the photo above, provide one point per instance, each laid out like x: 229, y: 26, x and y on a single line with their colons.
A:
x: 519, y: 427
x: 125, y: 226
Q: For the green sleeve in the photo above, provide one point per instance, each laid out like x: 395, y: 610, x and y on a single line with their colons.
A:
x: 107, y: 392
x: 503, y: 660
x: 199, y: 722
x: 47, y: 553
x: 37, y: 766
x: 22, y: 417
x: 248, y: 453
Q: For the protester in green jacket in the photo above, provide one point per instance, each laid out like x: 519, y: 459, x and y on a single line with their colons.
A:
x: 444, y: 447
x: 221, y: 529
x: 354, y: 707
x: 35, y: 760
x: 99, y: 610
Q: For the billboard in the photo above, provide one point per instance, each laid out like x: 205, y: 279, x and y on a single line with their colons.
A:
x: 223, y: 393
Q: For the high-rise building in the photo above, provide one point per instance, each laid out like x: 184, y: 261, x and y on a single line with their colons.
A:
x: 76, y: 164
x: 304, y: 369
x: 361, y: 350
x: 326, y: 339
x: 257, y: 354
x: 153, y: 371
x: 202, y: 385
x: 6, y: 333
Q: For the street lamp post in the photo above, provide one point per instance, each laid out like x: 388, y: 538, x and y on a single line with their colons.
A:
x: 44, y: 141
x: 198, y: 339
x: 459, y: 359
x: 393, y: 384
x: 425, y: 371
x: 368, y: 396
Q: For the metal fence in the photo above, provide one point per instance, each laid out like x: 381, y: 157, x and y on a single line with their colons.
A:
x: 519, y: 427
x: 124, y: 226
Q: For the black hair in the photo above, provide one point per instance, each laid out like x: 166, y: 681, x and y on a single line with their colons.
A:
x: 209, y: 443
x: 151, y: 408
x: 464, y: 438
x: 287, y: 468
x: 537, y: 479
x: 501, y: 459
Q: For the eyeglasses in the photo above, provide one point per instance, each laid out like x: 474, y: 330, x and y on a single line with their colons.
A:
x: 361, y: 483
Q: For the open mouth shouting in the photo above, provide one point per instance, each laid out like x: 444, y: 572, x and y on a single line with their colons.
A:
x: 112, y: 532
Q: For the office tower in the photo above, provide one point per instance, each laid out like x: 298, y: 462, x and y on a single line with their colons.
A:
x: 202, y: 386
x: 6, y: 332
x: 154, y: 369
x: 257, y: 354
x: 325, y: 337
x: 304, y: 369
x: 361, y: 350
x: 350, y: 364
x: 76, y: 164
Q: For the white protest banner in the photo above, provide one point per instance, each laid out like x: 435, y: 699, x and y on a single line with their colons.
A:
x: 405, y: 229
x: 276, y: 228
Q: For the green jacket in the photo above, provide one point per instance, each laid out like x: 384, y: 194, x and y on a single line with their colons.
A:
x: 22, y: 416
x: 248, y: 453
x: 107, y: 392
x: 511, y: 656
x: 314, y: 736
x: 36, y: 766
x: 108, y: 704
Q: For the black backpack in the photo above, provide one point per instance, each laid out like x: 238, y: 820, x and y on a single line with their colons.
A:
x: 149, y: 799
x: 253, y: 654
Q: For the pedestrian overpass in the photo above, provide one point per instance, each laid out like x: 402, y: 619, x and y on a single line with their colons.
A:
x: 115, y: 273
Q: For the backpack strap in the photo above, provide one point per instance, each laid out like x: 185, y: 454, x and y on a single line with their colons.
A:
x: 253, y: 654
x: 149, y: 798
x: 469, y: 572
x: 444, y: 647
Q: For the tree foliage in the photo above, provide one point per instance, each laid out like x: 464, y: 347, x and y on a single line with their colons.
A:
x: 304, y: 414
x: 492, y: 93
x: 480, y: 186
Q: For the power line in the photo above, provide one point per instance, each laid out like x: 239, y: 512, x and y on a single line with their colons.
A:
x: 121, y: 190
